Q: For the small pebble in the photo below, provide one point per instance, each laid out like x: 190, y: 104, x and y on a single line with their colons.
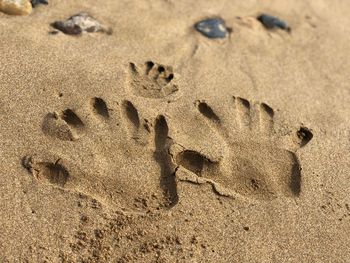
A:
x: 271, y: 22
x: 38, y: 2
x: 78, y: 24
x: 16, y: 7
x: 212, y: 28
x: 54, y: 32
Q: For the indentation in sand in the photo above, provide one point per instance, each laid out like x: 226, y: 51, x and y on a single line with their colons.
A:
x: 151, y: 80
x: 65, y: 125
x: 47, y: 172
x: 99, y: 107
x: 258, y: 163
x: 97, y: 171
x: 162, y: 156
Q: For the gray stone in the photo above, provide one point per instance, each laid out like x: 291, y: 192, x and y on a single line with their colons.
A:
x: 38, y: 2
x: 212, y: 28
x: 271, y: 22
x: 78, y: 24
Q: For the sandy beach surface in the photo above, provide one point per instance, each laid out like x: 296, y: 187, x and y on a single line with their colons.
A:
x: 147, y: 141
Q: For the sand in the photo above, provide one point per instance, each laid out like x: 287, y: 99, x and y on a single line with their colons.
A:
x: 153, y: 143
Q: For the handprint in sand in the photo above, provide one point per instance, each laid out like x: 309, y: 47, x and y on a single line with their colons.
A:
x: 256, y: 161
x: 109, y: 152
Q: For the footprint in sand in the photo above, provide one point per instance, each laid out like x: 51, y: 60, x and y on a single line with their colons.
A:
x: 151, y: 80
x: 101, y: 146
x: 258, y: 164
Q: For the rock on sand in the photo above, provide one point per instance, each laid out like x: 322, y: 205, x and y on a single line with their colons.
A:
x: 16, y: 7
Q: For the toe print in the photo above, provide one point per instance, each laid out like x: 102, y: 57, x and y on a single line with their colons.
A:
x: 151, y: 80
x: 258, y: 163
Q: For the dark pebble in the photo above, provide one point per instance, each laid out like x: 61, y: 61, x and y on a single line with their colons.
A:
x: 38, y: 2
x: 54, y: 32
x: 271, y: 22
x: 212, y: 28
x: 67, y: 29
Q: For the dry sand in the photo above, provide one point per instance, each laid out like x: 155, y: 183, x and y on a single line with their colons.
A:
x: 103, y: 159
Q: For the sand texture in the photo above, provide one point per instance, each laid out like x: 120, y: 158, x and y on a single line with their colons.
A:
x: 132, y: 137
